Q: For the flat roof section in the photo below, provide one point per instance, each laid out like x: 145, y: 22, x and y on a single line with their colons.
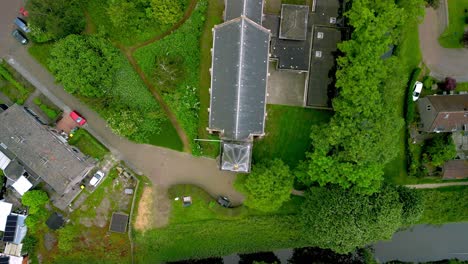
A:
x: 322, y: 65
x: 119, y: 223
x: 327, y: 13
x: 294, y: 19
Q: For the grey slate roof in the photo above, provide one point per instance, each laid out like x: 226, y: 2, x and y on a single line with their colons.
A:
x: 444, y: 113
x: 253, y: 9
x: 39, y: 150
x: 236, y: 156
x: 294, y: 20
x: 239, y: 79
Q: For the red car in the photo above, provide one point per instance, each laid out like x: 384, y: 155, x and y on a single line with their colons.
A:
x: 77, y: 118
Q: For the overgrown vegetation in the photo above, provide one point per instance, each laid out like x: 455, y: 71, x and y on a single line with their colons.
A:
x: 13, y: 85
x: 54, y: 19
x: 444, y: 205
x: 87, y: 144
x: 362, y: 137
x: 51, y: 111
x: 181, y: 46
x: 35, y: 200
x: 133, y: 21
x: 453, y: 34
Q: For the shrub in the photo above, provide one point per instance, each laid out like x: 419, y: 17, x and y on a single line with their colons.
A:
x: 450, y: 84
x: 428, y: 81
x: 439, y: 150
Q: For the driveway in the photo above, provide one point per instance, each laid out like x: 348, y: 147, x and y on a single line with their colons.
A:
x: 441, y: 61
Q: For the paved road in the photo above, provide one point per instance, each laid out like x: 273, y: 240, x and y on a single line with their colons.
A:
x: 441, y: 61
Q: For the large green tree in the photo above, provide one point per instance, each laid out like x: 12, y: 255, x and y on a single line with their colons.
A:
x: 268, y: 186
x: 353, y: 149
x: 55, y: 19
x: 342, y: 219
x: 167, y: 12
x: 35, y: 200
x: 84, y: 64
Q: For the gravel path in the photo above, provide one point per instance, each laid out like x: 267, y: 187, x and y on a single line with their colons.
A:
x: 441, y: 61
x: 436, y: 185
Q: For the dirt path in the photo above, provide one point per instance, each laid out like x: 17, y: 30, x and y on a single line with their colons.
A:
x: 441, y: 61
x: 436, y: 185
x: 128, y: 52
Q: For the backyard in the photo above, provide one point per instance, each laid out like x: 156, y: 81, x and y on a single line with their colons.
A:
x: 458, y: 18
x: 87, y: 144
x: 288, y: 133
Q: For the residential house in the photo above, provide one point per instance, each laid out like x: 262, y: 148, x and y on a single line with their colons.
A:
x: 444, y: 113
x: 32, y: 152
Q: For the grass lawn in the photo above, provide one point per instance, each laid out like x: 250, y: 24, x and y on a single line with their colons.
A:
x: 462, y: 87
x: 41, y: 52
x: 396, y: 171
x: 443, y: 205
x: 87, y: 144
x: 213, y: 17
x: 206, y: 229
x: 453, y: 34
x: 288, y: 133
x: 167, y: 138
x: 13, y: 85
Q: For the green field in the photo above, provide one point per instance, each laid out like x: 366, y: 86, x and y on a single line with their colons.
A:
x: 87, y: 144
x: 206, y: 229
x: 287, y: 133
x: 453, y: 34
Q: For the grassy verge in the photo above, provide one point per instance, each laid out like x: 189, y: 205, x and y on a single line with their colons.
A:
x: 207, y: 229
x: 183, y: 44
x: 287, y: 133
x: 443, y: 205
x: 13, y: 85
x: 50, y: 110
x: 89, y: 145
x: 213, y: 17
x: 41, y: 52
x: 410, y: 54
x: 453, y: 34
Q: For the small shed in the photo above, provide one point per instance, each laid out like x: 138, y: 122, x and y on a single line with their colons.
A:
x: 294, y: 19
x: 119, y: 223
x: 22, y: 185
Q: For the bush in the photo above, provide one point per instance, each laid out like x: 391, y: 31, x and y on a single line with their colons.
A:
x: 66, y: 237
x: 428, y: 81
x: 450, y: 84
x: 439, y: 150
x: 433, y: 3
x: 29, y: 244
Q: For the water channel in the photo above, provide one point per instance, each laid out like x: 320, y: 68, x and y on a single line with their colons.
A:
x: 420, y: 243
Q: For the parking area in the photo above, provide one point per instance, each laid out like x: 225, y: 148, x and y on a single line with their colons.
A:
x: 66, y: 123
x: 285, y: 87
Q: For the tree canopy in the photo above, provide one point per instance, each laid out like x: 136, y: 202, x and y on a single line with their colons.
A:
x: 167, y: 12
x: 439, y: 150
x: 343, y: 220
x: 55, y: 19
x: 84, y: 65
x: 353, y: 149
x: 35, y: 200
x: 268, y: 186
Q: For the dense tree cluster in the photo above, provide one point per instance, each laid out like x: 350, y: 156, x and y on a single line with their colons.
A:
x: 268, y: 186
x: 35, y: 200
x: 342, y: 219
x: 55, y: 19
x: 353, y: 149
x: 134, y: 16
x: 84, y: 65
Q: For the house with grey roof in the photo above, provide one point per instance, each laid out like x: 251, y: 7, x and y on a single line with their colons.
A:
x: 444, y: 113
x: 239, y: 75
x: 35, y: 153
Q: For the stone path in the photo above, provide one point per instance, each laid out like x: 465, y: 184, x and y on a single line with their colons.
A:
x: 436, y: 185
